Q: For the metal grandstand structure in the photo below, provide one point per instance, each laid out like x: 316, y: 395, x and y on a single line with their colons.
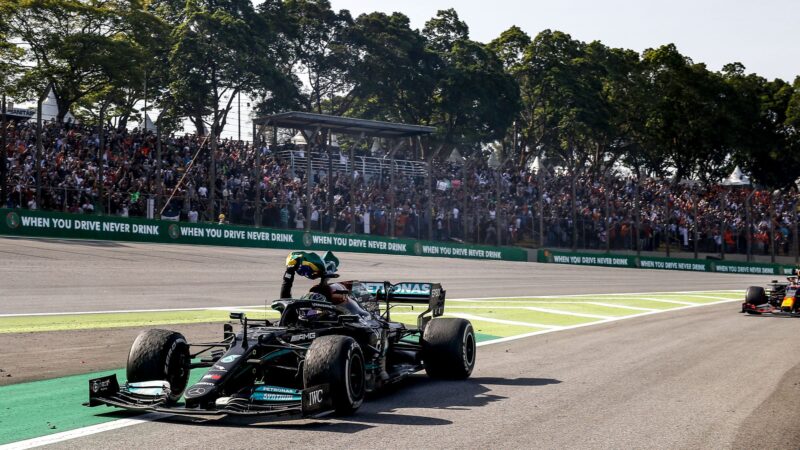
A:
x: 318, y: 155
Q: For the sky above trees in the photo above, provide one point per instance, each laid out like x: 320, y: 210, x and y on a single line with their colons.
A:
x: 762, y: 35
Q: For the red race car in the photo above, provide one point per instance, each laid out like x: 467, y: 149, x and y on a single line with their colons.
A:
x: 778, y: 298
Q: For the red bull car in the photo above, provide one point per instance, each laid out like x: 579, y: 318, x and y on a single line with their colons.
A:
x: 778, y: 298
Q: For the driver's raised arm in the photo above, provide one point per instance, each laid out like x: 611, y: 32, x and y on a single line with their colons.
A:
x: 288, y: 278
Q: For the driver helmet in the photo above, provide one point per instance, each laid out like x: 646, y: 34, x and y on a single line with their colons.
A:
x: 337, y: 293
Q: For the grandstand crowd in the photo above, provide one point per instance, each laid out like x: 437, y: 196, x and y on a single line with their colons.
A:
x: 470, y: 201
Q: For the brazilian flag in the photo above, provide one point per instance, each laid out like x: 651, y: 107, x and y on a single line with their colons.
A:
x: 312, y: 265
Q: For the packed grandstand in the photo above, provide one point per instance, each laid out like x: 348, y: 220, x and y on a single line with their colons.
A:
x: 534, y: 204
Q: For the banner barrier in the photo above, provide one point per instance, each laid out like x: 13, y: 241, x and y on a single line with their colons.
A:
x: 654, y: 262
x: 78, y: 226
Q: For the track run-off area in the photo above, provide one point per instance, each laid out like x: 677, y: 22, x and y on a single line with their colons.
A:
x: 570, y: 356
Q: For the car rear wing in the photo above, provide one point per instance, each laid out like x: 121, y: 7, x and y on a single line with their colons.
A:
x: 430, y: 294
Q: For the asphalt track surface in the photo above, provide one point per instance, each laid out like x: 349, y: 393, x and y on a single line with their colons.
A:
x: 705, y: 377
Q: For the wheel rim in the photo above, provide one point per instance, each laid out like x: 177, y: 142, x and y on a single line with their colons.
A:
x: 469, y: 350
x: 356, y: 376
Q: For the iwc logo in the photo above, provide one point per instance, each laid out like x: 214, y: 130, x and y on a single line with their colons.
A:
x: 12, y: 220
x: 174, y: 231
x: 307, y: 239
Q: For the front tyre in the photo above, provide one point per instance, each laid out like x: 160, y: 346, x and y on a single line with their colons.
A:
x: 160, y: 355
x: 448, y: 348
x: 755, y: 295
x: 337, y: 361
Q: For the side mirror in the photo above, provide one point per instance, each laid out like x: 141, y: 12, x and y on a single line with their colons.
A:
x: 237, y: 316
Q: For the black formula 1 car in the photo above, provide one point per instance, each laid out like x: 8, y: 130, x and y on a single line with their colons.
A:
x: 778, y: 298
x: 317, y: 359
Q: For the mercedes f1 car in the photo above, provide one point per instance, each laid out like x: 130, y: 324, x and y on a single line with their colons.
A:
x: 779, y: 298
x: 315, y: 360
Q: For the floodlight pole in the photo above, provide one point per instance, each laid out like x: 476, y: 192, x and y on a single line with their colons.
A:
x: 257, y: 178
x: 3, y: 154
x: 101, y: 153
x: 309, y: 174
x: 794, y: 232
x: 392, y: 200
x: 159, y: 174
x: 352, y: 163
x: 326, y: 148
x: 37, y: 160
x: 696, y: 222
x: 212, y: 172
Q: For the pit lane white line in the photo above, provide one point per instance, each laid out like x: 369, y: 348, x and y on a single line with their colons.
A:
x: 150, y: 417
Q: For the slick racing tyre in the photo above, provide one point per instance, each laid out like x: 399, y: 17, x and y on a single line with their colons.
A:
x: 160, y: 355
x: 337, y: 361
x: 755, y: 295
x: 448, y: 348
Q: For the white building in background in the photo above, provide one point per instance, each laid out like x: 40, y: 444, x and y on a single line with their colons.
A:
x: 231, y: 130
x: 49, y: 108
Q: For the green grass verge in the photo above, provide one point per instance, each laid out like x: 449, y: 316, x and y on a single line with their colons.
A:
x: 21, y: 324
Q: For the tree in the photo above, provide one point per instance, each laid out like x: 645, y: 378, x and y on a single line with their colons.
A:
x: 73, y: 45
x: 395, y: 75
x: 320, y: 50
x: 765, y: 127
x: 475, y: 100
x: 10, y: 54
x: 688, y: 114
x: 223, y: 48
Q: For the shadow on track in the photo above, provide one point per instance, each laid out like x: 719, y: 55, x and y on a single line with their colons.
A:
x: 416, y: 392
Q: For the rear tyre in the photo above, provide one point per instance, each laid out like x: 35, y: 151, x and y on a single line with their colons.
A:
x: 337, y: 361
x: 448, y: 348
x: 160, y: 355
x: 756, y: 295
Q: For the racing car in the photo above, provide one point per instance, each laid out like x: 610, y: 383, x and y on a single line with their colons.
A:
x: 779, y: 298
x: 315, y: 360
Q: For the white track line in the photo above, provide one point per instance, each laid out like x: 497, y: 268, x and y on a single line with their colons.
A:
x: 504, y: 322
x: 567, y: 313
x: 740, y: 291
x: 121, y: 423
x: 611, y: 305
x: 676, y: 302
x: 68, y: 313
x: 599, y: 322
x: 472, y: 299
x: 709, y: 296
x: 82, y: 432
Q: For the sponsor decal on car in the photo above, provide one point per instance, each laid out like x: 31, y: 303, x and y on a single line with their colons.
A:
x: 268, y: 397
x: 196, y: 391
x: 212, y: 376
x: 303, y: 337
x: 229, y: 359
x: 219, y: 368
x: 99, y: 385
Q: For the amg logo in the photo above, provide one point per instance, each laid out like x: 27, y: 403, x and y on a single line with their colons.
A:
x: 315, y: 397
x: 303, y: 337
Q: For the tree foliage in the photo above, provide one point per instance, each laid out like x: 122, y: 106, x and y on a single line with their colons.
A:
x: 584, y: 106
